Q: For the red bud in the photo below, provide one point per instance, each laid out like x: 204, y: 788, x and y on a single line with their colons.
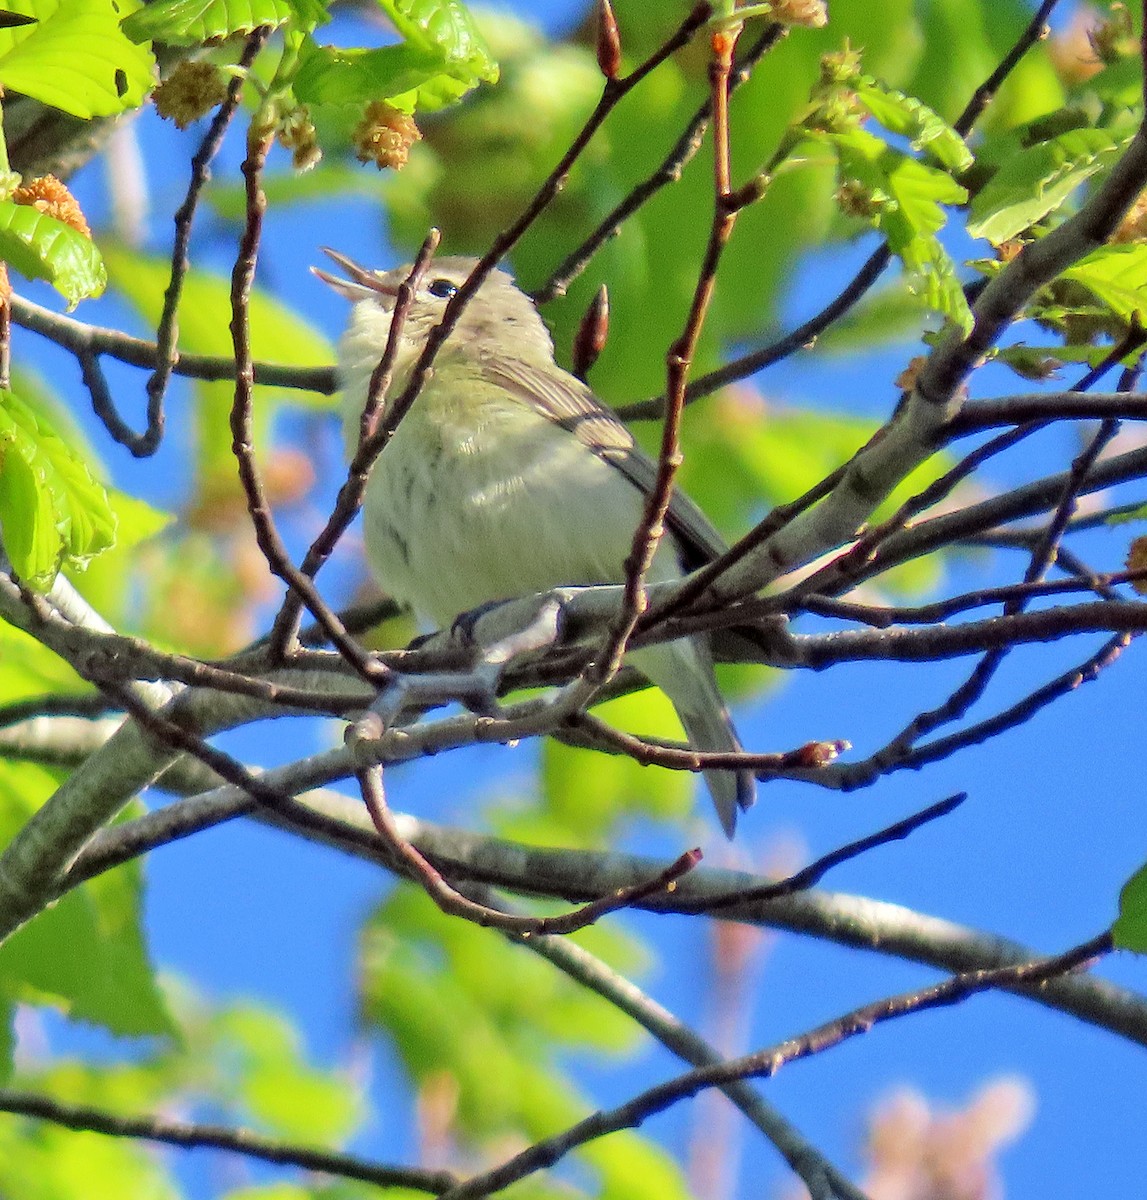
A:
x: 608, y: 41
x: 589, y: 341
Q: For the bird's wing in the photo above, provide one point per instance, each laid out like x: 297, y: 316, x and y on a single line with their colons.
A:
x: 569, y: 403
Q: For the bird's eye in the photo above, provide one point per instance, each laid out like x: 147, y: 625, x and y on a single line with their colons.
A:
x: 443, y: 289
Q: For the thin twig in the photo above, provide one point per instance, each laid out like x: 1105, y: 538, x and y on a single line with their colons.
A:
x: 192, y: 1135
x: 764, y: 1064
x: 679, y: 359
x: 668, y: 172
x: 95, y: 341
x: 454, y: 903
x: 266, y: 533
x: 167, y: 333
x: 811, y: 875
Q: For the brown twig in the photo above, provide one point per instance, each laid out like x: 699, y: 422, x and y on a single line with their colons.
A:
x: 266, y: 533
x: 96, y: 341
x: 883, y: 616
x: 668, y: 172
x: 454, y: 903
x: 811, y: 875
x: 651, y: 753
x: 911, y: 755
x: 679, y: 359
x: 763, y: 1064
x: 192, y: 1135
x: 167, y: 333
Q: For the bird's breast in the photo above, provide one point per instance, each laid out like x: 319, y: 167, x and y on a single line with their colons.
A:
x: 479, y: 497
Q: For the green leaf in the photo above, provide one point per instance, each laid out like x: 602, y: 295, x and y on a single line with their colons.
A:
x: 909, y: 117
x: 931, y: 277
x: 1116, y: 275
x: 446, y: 29
x: 1130, y: 928
x: 192, y: 22
x: 40, y: 247
x: 52, y: 510
x: 1035, y: 181
x: 86, y: 954
x: 907, y: 199
x: 75, y: 57
x: 442, y: 56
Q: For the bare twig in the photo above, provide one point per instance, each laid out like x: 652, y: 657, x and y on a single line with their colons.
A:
x: 454, y: 903
x: 668, y: 172
x: 94, y: 341
x: 679, y: 359
x: 193, y: 1135
x: 763, y: 1064
x: 167, y: 333
x: 266, y: 534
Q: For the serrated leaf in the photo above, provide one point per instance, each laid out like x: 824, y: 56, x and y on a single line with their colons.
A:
x: 907, y: 207
x: 1116, y: 275
x: 909, y: 194
x: 40, y: 247
x: 1037, y: 180
x: 911, y: 118
x: 192, y: 22
x: 446, y: 28
x: 442, y: 56
x: 76, y: 57
x: 931, y: 277
x: 52, y: 510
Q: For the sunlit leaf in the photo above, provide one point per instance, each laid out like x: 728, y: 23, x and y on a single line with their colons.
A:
x: 40, y: 247
x: 911, y: 118
x: 52, y: 510
x: 192, y: 22
x: 1117, y: 275
x: 86, y: 954
x: 1037, y: 180
x: 75, y: 57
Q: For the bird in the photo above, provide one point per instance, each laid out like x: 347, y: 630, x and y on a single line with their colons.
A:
x: 508, y: 477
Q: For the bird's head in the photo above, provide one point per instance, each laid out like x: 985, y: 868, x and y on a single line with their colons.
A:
x: 499, y: 315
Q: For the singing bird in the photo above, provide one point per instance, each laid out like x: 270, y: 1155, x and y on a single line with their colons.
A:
x: 509, y: 477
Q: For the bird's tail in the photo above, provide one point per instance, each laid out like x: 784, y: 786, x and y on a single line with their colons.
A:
x: 683, y: 670
x: 732, y: 791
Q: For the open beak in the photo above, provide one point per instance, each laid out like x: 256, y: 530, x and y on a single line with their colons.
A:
x: 360, y: 283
